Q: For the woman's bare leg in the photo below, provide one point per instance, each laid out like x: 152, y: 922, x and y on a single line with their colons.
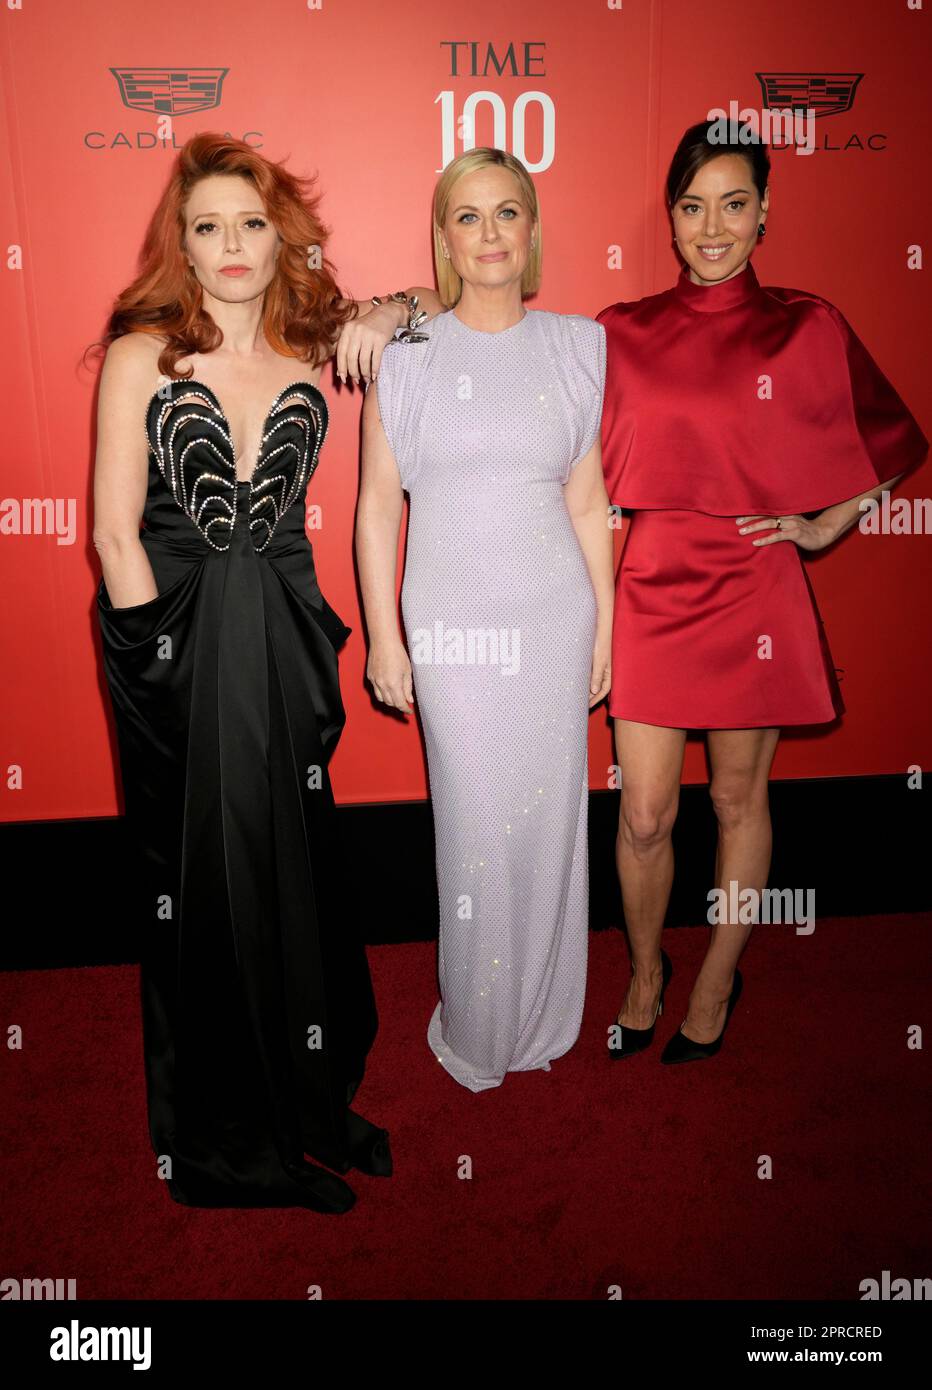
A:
x: 741, y: 760
x: 651, y: 762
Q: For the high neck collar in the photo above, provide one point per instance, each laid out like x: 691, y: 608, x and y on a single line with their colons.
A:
x: 725, y: 294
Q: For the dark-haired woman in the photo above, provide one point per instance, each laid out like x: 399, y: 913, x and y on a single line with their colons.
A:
x: 731, y: 411
x: 221, y: 658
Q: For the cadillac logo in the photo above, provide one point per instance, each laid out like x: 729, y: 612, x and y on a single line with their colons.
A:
x: 170, y: 91
x: 822, y: 93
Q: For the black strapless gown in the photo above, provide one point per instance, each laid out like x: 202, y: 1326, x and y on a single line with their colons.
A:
x: 257, y: 1004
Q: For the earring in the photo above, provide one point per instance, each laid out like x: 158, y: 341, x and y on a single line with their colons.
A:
x: 761, y: 229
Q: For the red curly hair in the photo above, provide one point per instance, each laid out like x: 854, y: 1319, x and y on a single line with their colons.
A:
x: 302, y: 312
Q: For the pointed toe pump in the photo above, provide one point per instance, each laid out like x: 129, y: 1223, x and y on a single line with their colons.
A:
x: 683, y: 1049
x: 634, y: 1040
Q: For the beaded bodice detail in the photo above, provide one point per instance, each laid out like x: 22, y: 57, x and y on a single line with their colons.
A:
x: 189, y: 435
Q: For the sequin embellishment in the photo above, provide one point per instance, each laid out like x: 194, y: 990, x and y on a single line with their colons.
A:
x: 189, y: 435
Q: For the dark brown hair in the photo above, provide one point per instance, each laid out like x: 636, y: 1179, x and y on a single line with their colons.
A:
x: 706, y: 141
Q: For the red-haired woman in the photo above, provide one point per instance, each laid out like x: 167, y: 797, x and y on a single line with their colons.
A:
x: 731, y: 411
x: 221, y: 658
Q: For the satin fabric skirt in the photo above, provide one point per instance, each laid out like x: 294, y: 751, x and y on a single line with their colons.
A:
x: 257, y: 1005
x: 712, y: 632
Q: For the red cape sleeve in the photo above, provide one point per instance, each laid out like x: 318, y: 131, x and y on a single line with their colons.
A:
x: 890, y: 436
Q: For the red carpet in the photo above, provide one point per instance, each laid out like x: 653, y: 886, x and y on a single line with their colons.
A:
x: 596, y: 1174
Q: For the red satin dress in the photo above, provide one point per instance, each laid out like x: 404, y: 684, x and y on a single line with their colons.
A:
x: 722, y: 401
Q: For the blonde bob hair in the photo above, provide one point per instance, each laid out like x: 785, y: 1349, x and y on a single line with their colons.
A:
x: 449, y: 284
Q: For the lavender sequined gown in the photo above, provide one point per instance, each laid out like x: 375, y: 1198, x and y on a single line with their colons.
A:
x: 500, y: 614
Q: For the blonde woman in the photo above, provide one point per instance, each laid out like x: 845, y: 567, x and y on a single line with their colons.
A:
x: 492, y: 427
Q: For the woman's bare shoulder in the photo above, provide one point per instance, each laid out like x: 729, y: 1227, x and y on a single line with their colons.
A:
x: 134, y: 355
x: 130, y: 375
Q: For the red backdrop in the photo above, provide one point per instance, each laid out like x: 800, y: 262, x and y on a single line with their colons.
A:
x: 594, y: 96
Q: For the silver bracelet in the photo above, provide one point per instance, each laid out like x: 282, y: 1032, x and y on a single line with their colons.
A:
x: 415, y: 319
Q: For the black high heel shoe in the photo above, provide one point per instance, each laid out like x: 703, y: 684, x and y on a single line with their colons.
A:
x: 636, y: 1039
x: 683, y: 1049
